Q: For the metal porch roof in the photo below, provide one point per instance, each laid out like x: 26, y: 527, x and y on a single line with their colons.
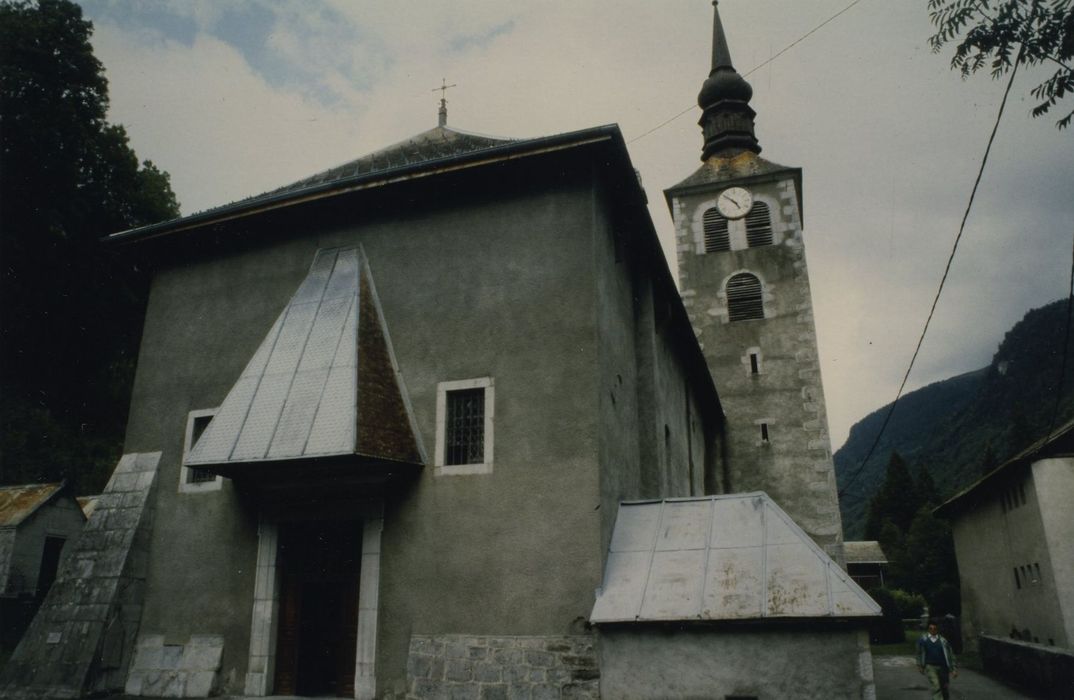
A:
x: 323, y: 382
x: 735, y: 557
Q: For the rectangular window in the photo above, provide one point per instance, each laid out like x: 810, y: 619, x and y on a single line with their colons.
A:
x: 755, y: 366
x: 464, y: 420
x: 764, y: 432
x: 1017, y: 580
x: 1036, y: 573
x: 465, y: 427
x: 193, y: 474
x: 192, y: 479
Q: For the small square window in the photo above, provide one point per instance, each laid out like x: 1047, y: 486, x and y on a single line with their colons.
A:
x: 464, y: 419
x: 192, y: 479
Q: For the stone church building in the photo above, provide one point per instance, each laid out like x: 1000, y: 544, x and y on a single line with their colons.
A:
x: 439, y: 423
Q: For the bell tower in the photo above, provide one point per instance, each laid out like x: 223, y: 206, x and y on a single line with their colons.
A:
x: 744, y: 280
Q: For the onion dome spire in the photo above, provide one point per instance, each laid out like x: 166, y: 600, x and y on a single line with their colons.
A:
x: 726, y: 118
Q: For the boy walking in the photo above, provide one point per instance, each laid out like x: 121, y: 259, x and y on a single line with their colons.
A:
x: 936, y: 660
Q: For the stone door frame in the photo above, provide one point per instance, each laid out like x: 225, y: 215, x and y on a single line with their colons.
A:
x: 261, y: 668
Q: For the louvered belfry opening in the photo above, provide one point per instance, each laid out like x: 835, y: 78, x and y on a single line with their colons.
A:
x: 744, y: 301
x: 716, y: 235
x: 759, y: 226
x: 465, y: 427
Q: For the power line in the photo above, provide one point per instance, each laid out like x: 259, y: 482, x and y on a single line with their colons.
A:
x: 947, y: 269
x: 756, y: 68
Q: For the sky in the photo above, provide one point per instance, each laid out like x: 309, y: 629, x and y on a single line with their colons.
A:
x: 237, y: 97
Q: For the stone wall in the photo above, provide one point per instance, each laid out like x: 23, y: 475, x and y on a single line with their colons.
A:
x: 175, y: 670
x: 502, y: 668
x: 79, y: 642
x: 1046, y: 670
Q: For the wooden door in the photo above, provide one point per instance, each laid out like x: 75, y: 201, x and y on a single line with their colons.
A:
x: 318, y: 608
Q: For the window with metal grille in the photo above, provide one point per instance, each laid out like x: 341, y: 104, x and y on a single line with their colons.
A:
x: 744, y: 300
x: 193, y: 474
x: 759, y: 226
x: 465, y: 429
x: 716, y: 236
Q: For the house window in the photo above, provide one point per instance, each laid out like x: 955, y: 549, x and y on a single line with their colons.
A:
x: 755, y: 363
x: 759, y: 226
x: 716, y: 235
x: 50, y: 564
x: 193, y: 479
x: 1036, y: 573
x: 1017, y: 580
x: 764, y: 432
x: 744, y: 301
x: 464, y: 419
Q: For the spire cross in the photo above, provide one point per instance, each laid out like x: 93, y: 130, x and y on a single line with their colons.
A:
x: 443, y: 99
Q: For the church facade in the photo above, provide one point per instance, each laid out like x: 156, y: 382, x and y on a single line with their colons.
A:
x: 396, y: 428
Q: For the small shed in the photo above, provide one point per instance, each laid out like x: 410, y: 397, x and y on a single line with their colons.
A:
x: 36, y: 522
x: 866, y: 563
x: 699, y: 594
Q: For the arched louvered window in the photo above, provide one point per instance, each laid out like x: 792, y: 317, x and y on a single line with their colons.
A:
x: 744, y: 298
x: 716, y: 238
x: 759, y: 226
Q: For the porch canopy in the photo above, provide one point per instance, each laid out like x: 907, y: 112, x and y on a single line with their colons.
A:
x: 737, y: 557
x: 320, y: 405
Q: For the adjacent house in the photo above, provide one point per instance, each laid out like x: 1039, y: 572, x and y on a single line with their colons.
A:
x: 866, y: 563
x: 421, y: 424
x: 36, y: 523
x: 1012, y: 531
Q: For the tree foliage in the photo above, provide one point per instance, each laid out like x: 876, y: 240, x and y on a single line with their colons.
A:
x: 71, y: 309
x: 897, y: 500
x: 998, y: 34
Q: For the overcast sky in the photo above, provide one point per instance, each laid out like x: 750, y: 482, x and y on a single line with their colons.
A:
x: 235, y: 97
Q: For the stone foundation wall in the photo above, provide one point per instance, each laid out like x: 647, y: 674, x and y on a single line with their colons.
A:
x: 1042, y: 669
x: 175, y: 670
x: 502, y: 668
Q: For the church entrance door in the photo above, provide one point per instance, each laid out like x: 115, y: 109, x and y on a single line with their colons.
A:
x: 318, y: 614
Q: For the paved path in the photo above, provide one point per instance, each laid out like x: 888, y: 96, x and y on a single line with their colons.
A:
x: 897, y: 678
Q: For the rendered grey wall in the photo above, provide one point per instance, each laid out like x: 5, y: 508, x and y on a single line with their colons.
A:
x: 470, y: 287
x: 989, y: 544
x: 795, y: 466
x: 768, y: 664
x: 1053, y: 481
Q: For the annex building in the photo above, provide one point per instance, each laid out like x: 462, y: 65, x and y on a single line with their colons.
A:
x: 438, y: 422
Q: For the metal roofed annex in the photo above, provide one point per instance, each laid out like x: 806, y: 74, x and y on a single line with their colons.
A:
x: 736, y: 557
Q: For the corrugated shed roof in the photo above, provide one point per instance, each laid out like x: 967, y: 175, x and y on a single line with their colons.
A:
x: 19, y: 502
x: 736, y: 557
x: 322, y: 383
x: 865, y: 552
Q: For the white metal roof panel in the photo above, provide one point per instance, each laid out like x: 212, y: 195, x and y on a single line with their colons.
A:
x: 734, y: 557
x: 298, y: 395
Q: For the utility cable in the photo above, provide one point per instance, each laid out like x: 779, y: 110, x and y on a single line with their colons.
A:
x: 947, y: 269
x: 756, y: 68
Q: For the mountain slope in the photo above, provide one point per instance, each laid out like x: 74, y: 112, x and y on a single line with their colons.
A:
x: 949, y: 426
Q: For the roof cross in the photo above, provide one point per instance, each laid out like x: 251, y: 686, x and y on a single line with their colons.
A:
x: 443, y: 99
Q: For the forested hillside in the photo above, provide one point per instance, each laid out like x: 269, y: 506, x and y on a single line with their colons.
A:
x: 957, y: 428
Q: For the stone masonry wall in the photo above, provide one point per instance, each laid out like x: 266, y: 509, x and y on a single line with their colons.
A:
x: 175, y: 670
x: 502, y: 668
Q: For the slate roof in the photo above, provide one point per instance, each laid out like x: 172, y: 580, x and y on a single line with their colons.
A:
x: 734, y: 557
x: 20, y: 502
x: 436, y: 143
x: 323, y: 382
x: 864, y: 552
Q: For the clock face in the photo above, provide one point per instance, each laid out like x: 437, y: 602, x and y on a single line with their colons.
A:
x: 735, y: 202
